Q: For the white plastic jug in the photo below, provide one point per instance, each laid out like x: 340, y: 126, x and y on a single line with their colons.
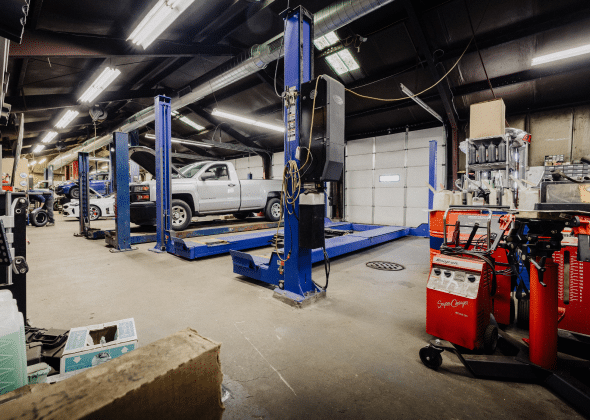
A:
x: 441, y: 200
x: 13, y: 363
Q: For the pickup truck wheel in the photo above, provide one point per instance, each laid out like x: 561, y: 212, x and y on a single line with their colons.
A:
x: 273, y: 210
x: 181, y: 215
x: 75, y: 193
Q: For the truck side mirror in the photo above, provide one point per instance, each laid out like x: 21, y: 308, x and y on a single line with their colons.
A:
x: 207, y: 175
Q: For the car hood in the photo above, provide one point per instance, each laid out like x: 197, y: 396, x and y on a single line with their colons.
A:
x: 146, y: 158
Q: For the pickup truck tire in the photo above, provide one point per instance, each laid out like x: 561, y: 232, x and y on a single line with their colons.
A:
x: 273, y: 210
x: 75, y: 193
x: 181, y: 215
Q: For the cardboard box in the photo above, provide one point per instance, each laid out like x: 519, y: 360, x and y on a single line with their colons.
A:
x: 487, y: 119
x: 177, y: 377
x: 22, y: 172
x: 95, y: 344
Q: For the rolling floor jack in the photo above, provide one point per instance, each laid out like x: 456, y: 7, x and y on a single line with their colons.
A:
x: 458, y: 313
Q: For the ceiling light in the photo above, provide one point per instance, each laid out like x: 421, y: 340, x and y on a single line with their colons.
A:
x: 325, y: 41
x: 216, y: 112
x: 39, y: 148
x: 49, y: 136
x: 106, y: 78
x: 572, y: 52
x: 188, y: 121
x: 33, y: 163
x: 175, y: 140
x: 157, y: 20
x: 42, y: 160
x: 67, y: 118
x: 99, y: 159
x: 342, y: 62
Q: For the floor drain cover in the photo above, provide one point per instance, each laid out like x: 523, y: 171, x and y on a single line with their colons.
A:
x: 385, y: 265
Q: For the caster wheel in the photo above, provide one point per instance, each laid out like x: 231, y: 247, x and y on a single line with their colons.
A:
x: 431, y: 357
x: 490, y: 339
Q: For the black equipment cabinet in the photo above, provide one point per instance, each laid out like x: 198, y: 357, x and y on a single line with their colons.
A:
x: 19, y: 281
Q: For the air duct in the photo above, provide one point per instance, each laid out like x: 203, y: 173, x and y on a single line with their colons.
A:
x: 327, y: 20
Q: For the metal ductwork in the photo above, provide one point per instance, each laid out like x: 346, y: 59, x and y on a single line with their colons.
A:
x: 327, y: 20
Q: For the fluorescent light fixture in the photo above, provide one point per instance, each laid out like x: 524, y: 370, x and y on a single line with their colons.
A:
x: 39, y: 148
x: 420, y: 102
x: 33, y: 163
x: 188, y: 121
x: 49, y: 136
x: 218, y: 113
x: 342, y: 62
x: 389, y: 178
x: 99, y: 159
x: 102, y: 81
x: 67, y: 118
x: 157, y: 20
x: 175, y: 140
x: 325, y: 41
x: 561, y: 55
x: 42, y: 160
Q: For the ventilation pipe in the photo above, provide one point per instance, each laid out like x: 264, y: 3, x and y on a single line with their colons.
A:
x: 327, y: 20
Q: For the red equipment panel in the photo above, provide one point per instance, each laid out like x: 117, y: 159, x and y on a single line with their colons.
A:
x: 458, y: 303
x: 571, y: 294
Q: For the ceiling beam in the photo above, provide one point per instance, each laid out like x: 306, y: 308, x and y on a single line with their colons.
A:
x: 45, y: 102
x: 42, y: 43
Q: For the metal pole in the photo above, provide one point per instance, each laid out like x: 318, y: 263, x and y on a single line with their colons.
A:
x: 163, y: 187
x: 83, y: 204
x: 298, y: 70
x: 120, y: 171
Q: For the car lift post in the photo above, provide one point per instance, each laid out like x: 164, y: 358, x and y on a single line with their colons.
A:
x: 163, y: 188
x: 83, y: 206
x: 297, y: 284
x: 120, y: 171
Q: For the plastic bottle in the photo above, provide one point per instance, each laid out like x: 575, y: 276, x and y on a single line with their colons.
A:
x: 502, y: 151
x: 472, y: 154
x: 492, y: 150
x: 13, y: 364
x: 481, y: 154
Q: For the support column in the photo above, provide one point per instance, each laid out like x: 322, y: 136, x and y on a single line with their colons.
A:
x: 163, y: 187
x: 120, y: 171
x: 83, y: 184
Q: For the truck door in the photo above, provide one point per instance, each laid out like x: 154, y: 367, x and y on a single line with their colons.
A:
x: 217, y: 191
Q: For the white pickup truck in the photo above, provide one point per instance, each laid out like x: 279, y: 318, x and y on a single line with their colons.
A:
x: 202, y: 188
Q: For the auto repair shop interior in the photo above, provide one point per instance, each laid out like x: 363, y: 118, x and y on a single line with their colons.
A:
x: 295, y: 209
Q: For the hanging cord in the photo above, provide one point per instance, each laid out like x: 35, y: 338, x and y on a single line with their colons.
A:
x: 440, y: 80
x: 478, y: 51
x: 292, y: 172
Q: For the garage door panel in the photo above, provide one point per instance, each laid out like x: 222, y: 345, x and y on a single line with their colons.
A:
x: 389, y: 159
x: 389, y: 197
x: 418, y: 176
x: 257, y: 173
x: 359, y: 179
x: 418, y: 157
x: 360, y: 147
x: 359, y: 163
x: 359, y: 196
x: 359, y: 214
x: 416, y: 216
x: 421, y: 138
x: 242, y: 163
x: 390, y: 143
x: 389, y: 216
x: 418, y: 197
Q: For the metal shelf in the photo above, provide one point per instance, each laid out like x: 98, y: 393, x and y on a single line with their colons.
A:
x: 485, y: 166
x: 490, y: 138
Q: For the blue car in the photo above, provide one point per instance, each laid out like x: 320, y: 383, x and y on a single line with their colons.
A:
x: 99, y: 182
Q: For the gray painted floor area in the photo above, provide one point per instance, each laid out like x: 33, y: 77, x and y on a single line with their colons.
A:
x: 353, y: 355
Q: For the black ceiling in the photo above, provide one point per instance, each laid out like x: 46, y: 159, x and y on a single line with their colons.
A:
x: 67, y: 41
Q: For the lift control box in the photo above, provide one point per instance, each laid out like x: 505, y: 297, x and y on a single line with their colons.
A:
x: 327, y: 136
x: 458, y: 302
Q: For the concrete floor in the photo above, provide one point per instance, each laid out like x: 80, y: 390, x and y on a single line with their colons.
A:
x: 353, y: 355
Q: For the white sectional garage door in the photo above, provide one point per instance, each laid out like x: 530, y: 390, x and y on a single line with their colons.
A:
x: 386, y: 179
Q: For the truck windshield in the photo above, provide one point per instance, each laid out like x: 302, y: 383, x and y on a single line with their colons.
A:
x: 189, y: 171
